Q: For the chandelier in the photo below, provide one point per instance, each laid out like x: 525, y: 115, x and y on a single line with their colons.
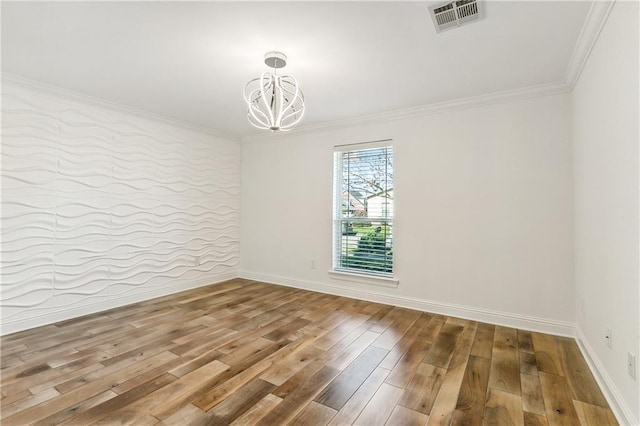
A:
x: 275, y: 102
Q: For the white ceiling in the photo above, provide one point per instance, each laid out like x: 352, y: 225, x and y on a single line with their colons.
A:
x: 190, y: 61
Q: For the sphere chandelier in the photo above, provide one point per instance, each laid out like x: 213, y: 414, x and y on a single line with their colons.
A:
x: 275, y: 102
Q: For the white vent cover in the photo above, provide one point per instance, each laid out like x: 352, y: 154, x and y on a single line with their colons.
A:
x: 455, y: 13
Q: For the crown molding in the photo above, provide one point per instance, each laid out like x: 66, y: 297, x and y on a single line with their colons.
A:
x: 596, y: 19
x: 591, y: 29
x: 436, y: 108
x: 103, y: 103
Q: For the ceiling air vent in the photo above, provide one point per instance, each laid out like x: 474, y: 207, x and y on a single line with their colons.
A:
x: 455, y: 13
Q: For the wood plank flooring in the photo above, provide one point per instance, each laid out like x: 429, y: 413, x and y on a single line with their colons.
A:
x: 244, y: 353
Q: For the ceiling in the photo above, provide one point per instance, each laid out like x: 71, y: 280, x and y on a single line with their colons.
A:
x: 190, y: 60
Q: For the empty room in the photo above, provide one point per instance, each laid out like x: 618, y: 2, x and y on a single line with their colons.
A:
x: 320, y: 213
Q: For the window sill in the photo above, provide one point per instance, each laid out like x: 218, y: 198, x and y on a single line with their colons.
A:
x: 364, y: 278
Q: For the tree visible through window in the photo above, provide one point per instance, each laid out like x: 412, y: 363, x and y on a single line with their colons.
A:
x: 363, y: 209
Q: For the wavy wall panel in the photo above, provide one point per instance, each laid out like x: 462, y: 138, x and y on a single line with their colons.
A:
x: 102, y: 208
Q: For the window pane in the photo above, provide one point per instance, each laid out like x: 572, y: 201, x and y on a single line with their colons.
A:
x: 367, y: 183
x: 366, y: 246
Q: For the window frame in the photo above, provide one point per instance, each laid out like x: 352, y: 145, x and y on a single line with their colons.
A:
x: 354, y: 274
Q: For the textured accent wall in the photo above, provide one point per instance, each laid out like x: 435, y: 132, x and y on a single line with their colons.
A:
x: 103, y: 207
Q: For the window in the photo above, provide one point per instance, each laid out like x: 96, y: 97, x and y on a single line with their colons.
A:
x: 363, y: 208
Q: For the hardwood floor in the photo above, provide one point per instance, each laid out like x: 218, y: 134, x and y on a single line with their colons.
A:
x: 244, y: 352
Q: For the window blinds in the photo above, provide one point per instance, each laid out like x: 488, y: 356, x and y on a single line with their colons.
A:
x: 364, y: 208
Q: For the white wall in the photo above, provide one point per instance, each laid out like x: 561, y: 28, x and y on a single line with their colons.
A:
x: 102, y: 208
x: 483, y: 212
x: 605, y: 133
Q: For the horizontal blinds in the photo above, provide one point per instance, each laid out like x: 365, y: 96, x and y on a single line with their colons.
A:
x: 364, y: 211
x: 363, y: 145
x: 364, y: 250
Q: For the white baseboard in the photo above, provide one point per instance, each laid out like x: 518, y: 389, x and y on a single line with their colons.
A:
x: 612, y: 394
x: 558, y: 328
x: 609, y: 389
x: 64, y: 314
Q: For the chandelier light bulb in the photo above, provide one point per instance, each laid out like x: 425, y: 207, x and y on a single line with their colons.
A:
x: 275, y: 102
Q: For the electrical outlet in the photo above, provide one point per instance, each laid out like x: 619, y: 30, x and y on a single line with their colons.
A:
x: 313, y: 264
x: 631, y: 365
x: 608, y: 337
